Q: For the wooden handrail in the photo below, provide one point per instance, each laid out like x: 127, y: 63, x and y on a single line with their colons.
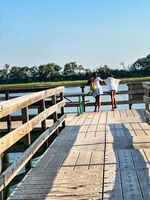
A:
x: 23, y: 131
x: 13, y: 105
x: 13, y: 170
x: 15, y: 135
x: 135, y: 96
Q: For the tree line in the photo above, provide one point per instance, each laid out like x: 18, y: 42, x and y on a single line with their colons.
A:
x: 70, y: 71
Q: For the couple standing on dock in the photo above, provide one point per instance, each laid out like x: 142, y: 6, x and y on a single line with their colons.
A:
x: 96, y: 89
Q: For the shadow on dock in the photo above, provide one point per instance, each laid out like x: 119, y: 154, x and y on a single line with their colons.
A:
x: 128, y: 173
x: 63, y: 171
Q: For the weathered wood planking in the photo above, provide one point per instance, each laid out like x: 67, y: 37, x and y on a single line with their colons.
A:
x: 15, y: 135
x: 12, y: 171
x: 93, y: 158
x: 13, y: 105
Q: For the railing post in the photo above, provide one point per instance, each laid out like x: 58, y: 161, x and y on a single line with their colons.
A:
x: 41, y: 109
x: 43, y: 123
x: 5, y: 156
x: 83, y: 97
x: 27, y: 138
x: 4, y: 194
x: 62, y: 109
x: 55, y: 117
x: 146, y: 103
x: 130, y: 95
x: 147, y: 100
x: 8, y: 116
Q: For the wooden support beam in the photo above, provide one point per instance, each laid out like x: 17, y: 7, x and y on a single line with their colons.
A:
x: 83, y: 97
x: 55, y: 117
x: 27, y: 138
x: 41, y: 109
x: 62, y: 108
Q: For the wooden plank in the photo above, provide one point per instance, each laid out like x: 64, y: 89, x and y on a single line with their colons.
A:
x: 145, y: 126
x: 103, y: 118
x: 15, y: 135
x: 89, y: 118
x: 13, y: 105
x: 83, y: 161
x: 96, y: 161
x: 11, y: 172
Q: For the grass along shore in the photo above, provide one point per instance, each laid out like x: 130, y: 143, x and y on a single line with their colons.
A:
x: 68, y: 83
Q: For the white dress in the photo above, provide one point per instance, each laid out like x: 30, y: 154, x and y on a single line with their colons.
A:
x: 112, y: 84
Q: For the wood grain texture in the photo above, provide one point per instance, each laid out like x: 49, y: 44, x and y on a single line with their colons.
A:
x: 15, y: 135
x: 13, y: 105
x: 96, y: 156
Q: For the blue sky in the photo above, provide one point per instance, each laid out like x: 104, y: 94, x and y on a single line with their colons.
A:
x: 90, y: 32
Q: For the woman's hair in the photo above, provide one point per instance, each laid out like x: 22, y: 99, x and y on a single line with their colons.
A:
x: 94, y: 74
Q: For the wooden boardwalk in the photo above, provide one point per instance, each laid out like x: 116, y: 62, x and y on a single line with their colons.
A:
x: 96, y: 156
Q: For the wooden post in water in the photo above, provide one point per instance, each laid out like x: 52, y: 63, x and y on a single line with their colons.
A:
x: 27, y: 138
x: 83, y: 97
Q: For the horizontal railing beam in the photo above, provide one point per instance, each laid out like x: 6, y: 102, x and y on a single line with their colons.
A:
x: 15, y: 135
x: 74, y: 104
x: 13, y: 105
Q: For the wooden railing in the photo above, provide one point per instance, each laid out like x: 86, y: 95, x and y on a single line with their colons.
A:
x: 146, y: 98
x: 135, y: 93
x: 53, y: 112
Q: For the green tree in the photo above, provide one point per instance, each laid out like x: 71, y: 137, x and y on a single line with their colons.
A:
x: 104, y: 71
x: 70, y: 68
x: 49, y: 72
x: 4, y: 73
x: 142, y: 64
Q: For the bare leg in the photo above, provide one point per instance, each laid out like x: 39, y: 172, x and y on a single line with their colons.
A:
x: 112, y: 100
x: 95, y: 104
x: 114, y: 97
x: 99, y: 102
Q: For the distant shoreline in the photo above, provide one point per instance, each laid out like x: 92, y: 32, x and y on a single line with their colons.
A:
x: 72, y: 83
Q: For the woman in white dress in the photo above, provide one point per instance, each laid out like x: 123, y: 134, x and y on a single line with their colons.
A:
x: 112, y: 87
x: 96, y: 90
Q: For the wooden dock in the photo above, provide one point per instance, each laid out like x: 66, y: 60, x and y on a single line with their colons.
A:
x: 96, y: 156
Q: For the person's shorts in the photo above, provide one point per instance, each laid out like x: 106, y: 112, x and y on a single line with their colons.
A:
x: 97, y: 92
